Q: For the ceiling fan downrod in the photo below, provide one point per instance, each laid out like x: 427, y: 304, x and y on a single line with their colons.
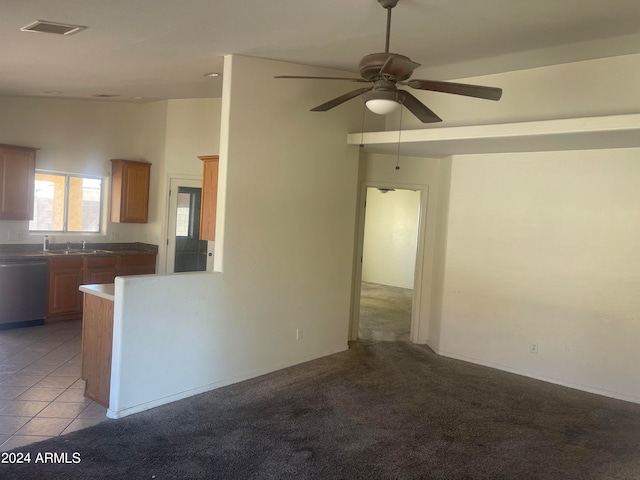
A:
x: 388, y: 5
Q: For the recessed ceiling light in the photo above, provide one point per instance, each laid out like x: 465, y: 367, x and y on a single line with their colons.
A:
x: 43, y: 26
x: 212, y: 74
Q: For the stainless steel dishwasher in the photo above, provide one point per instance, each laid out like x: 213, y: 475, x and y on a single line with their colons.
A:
x: 23, y: 292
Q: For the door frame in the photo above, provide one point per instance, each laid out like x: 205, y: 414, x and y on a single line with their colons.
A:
x: 173, y: 182
x: 418, y: 322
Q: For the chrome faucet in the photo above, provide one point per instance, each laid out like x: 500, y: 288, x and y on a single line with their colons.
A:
x: 84, y: 244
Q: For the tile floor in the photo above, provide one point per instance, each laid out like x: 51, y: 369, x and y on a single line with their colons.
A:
x: 41, y: 393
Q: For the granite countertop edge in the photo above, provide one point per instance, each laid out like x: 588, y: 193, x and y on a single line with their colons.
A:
x: 33, y: 252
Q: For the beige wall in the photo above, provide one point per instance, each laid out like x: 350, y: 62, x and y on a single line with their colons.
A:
x: 74, y: 136
x: 604, y: 86
x: 288, y: 185
x: 391, y: 237
x: 542, y: 248
x: 193, y: 130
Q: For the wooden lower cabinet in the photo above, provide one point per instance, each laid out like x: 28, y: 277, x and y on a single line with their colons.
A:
x: 67, y: 273
x: 136, y: 265
x: 65, y: 278
x: 99, y: 270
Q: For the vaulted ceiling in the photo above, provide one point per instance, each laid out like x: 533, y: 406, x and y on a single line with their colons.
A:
x: 146, y: 50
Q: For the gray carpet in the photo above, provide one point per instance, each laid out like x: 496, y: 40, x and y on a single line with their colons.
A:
x: 385, y: 313
x: 387, y: 410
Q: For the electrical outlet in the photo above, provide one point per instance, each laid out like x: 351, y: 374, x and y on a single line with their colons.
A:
x: 533, y: 348
x: 299, y: 333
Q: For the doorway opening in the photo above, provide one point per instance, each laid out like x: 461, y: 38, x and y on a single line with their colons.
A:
x: 388, y: 266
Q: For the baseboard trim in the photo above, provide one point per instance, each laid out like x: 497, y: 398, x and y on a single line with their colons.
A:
x: 215, y: 385
x: 544, y: 378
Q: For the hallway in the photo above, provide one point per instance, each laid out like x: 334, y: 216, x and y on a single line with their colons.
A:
x: 385, y: 313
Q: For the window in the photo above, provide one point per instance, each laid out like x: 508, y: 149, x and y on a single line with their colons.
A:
x: 188, y: 212
x: 66, y: 203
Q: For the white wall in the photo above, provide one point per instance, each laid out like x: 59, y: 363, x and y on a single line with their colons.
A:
x: 153, y: 133
x: 288, y: 185
x: 604, y: 86
x: 193, y: 130
x: 542, y: 247
x: 390, y: 237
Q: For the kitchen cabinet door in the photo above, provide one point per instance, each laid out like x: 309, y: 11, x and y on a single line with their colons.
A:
x: 209, y: 197
x: 99, y: 270
x: 17, y: 177
x: 129, y: 191
x: 65, y: 298
x: 136, y: 265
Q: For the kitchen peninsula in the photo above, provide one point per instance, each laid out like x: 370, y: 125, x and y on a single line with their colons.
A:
x: 97, y: 341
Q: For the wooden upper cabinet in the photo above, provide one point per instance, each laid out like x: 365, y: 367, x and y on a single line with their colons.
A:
x: 17, y: 178
x: 209, y: 197
x: 129, y: 191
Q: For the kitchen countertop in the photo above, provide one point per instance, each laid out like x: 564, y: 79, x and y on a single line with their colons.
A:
x: 105, y: 290
x: 34, y: 252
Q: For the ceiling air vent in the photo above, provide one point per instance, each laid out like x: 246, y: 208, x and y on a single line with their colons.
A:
x: 43, y: 26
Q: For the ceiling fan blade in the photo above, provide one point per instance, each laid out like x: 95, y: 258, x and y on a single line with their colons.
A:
x: 419, y: 109
x: 324, y: 78
x: 477, y: 91
x: 341, y: 99
x: 398, y: 66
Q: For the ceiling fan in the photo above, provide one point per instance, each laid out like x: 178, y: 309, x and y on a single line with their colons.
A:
x: 388, y: 70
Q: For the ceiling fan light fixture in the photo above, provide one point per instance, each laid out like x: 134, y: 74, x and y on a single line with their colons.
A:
x: 382, y: 102
x: 382, y: 106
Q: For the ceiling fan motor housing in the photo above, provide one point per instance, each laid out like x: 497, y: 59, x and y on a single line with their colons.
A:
x: 388, y: 3
x: 371, y: 64
x: 382, y: 89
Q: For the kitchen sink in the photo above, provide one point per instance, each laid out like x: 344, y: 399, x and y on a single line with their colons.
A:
x: 77, y: 251
x: 68, y: 251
